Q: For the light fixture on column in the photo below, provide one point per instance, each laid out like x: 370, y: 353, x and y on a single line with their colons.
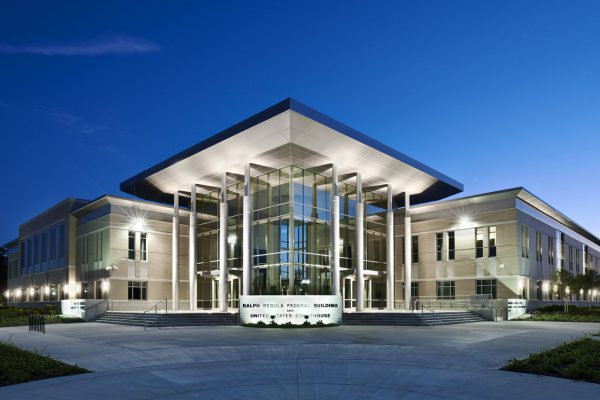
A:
x: 19, y: 293
x: 137, y: 224
x: 7, y: 294
x: 46, y: 290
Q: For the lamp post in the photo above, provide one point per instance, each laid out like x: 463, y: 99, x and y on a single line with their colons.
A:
x: 567, y: 292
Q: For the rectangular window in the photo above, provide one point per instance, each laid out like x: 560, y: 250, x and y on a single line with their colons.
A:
x: 478, y: 242
x: 61, y: 241
x: 446, y: 290
x: 414, y: 289
x: 561, y: 248
x: 492, y: 241
x: 486, y: 286
x: 577, y: 261
x: 415, y: 249
x: 439, y: 244
x: 131, y: 247
x: 99, y: 246
x: 451, y: 242
x: 524, y: 241
x: 53, y: 243
x: 36, y: 250
x: 538, y: 246
x: 551, y: 250
x: 137, y: 290
x: 30, y: 252
x: 570, y: 257
x: 144, y: 246
x: 44, y: 247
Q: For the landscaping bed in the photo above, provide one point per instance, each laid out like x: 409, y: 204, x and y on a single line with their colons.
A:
x: 578, y: 360
x: 574, y: 314
x: 16, y: 316
x: 19, y: 366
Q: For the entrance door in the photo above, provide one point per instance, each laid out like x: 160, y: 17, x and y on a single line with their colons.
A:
x: 349, y: 292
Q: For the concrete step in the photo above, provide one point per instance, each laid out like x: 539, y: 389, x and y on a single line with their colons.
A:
x: 166, y: 320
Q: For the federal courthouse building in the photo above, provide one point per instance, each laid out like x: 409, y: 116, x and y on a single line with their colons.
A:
x: 292, y: 202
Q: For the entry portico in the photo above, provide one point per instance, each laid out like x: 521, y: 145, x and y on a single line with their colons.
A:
x: 290, y: 201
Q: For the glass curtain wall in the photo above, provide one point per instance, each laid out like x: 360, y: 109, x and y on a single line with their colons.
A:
x: 291, y: 231
x: 375, y: 254
x: 207, y: 247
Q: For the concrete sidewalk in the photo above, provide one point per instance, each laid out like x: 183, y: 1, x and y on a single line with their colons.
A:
x: 347, y: 362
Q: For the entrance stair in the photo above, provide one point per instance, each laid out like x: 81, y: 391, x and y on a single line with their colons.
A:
x: 410, y: 319
x: 168, y: 320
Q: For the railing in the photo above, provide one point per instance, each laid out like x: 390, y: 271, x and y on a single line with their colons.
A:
x: 37, y: 323
x: 414, y: 305
x: 155, y: 309
x: 467, y: 302
x: 95, y: 310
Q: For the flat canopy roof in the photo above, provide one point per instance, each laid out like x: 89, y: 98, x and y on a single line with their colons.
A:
x: 291, y: 133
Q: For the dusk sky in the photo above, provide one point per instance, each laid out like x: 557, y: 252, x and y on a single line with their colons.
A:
x: 493, y: 94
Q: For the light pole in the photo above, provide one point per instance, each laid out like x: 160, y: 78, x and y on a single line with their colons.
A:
x: 567, y: 292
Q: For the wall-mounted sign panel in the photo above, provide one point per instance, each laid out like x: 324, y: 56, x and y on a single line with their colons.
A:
x: 73, y: 307
x: 516, y: 307
x: 296, y: 310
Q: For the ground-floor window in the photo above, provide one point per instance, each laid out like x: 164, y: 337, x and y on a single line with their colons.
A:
x: 137, y: 290
x: 85, y: 290
x: 486, y: 286
x: 414, y: 289
x: 98, y: 289
x: 53, y: 293
x: 446, y: 290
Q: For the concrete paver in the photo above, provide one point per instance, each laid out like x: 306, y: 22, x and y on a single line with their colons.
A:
x: 347, y: 362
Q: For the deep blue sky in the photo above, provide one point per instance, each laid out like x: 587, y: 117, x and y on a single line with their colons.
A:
x: 494, y: 94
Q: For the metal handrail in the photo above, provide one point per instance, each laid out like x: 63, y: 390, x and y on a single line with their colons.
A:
x: 155, y: 308
x: 414, y: 303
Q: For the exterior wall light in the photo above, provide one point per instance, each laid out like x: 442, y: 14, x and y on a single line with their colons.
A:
x: 7, y: 294
x: 31, y: 291
x: 19, y: 293
x: 232, y: 239
x: 137, y: 224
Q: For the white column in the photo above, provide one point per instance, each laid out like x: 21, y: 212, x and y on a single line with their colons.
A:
x: 335, y: 233
x: 407, y: 252
x: 246, y: 237
x: 390, y: 250
x: 223, y: 303
x: 175, y: 254
x: 360, y: 279
x: 192, y: 252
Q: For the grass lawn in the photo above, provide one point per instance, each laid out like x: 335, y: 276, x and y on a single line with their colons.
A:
x: 578, y: 360
x: 18, y: 366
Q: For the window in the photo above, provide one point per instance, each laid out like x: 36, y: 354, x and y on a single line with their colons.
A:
x: 144, y: 247
x: 84, y: 290
x: 577, y: 260
x: 44, y: 247
x: 36, y: 250
x: 538, y: 246
x: 451, y: 245
x: 478, y: 242
x: 414, y: 289
x: 131, y: 246
x: 492, y: 241
x: 53, y: 243
x: 446, y: 290
x: 53, y: 293
x: 439, y: 244
x: 99, y: 246
x: 571, y: 257
x: 61, y: 241
x: 415, y: 249
x: 551, y: 250
x: 137, y: 290
x: 561, y: 255
x: 486, y: 286
x: 525, y: 241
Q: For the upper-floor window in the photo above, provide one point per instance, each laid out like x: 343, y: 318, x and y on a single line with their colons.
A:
x: 561, y: 248
x: 61, y: 241
x: 53, y: 243
x: 131, y: 246
x: 451, y: 245
x: 44, y: 246
x: 577, y: 260
x: 439, y: 245
x: 570, y: 257
x: 144, y: 246
x: 478, y: 242
x: 415, y: 249
x: 492, y: 241
x: 551, y: 250
x: 525, y: 241
x: 538, y: 246
x: 99, y: 246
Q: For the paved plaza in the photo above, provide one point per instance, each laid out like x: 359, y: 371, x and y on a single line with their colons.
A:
x: 346, y: 362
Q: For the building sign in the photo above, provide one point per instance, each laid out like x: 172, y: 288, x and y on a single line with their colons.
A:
x: 296, y: 310
x: 516, y: 308
x: 73, y: 307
